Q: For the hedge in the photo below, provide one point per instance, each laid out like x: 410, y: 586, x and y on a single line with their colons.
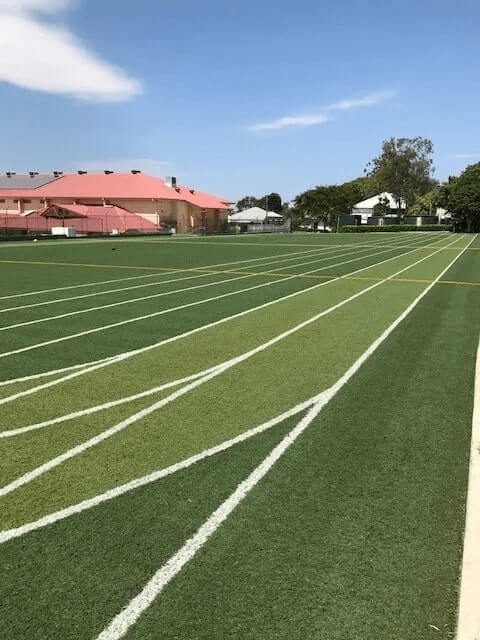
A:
x: 369, y: 228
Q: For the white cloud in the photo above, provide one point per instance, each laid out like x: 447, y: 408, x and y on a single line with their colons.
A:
x: 308, y: 120
x: 42, y: 6
x: 368, y: 100
x: 42, y: 56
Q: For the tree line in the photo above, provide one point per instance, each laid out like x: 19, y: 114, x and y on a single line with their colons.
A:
x: 404, y: 168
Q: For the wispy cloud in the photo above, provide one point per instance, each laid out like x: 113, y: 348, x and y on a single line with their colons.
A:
x: 39, y: 55
x: 466, y: 156
x: 368, y: 100
x: 306, y: 120
x: 320, y: 117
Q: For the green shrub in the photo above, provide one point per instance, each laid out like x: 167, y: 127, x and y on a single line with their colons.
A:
x: 370, y: 228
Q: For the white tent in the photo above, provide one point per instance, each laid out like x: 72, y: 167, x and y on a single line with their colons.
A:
x: 254, y: 214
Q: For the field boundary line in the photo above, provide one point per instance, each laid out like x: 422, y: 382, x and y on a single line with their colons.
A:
x: 468, y: 627
x: 161, y: 294
x: 129, y: 615
x: 84, y: 505
x: 97, y: 364
x: 79, y: 449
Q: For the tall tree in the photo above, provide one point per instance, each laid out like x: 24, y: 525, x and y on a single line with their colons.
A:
x: 462, y: 197
x: 323, y: 203
x: 382, y: 208
x: 272, y: 200
x: 404, y: 168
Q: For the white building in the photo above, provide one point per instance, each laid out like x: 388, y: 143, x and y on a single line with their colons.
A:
x: 255, y: 215
x: 365, y: 207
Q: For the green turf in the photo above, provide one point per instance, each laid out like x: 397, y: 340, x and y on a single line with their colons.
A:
x: 356, y: 533
x: 104, y: 343
x: 289, y: 373
x: 64, y: 581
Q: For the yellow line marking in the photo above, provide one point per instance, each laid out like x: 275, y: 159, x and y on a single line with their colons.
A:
x: 242, y: 272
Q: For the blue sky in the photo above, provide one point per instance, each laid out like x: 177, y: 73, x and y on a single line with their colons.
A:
x: 236, y: 97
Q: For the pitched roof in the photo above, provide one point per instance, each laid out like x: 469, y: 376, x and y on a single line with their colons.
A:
x: 254, y: 214
x: 111, y: 186
x: 369, y: 203
x: 83, y: 218
x: 26, y: 181
x: 200, y: 199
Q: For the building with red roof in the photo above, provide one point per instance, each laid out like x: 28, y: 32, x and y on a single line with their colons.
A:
x: 161, y: 203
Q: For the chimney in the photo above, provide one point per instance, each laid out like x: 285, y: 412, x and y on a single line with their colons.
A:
x: 192, y: 191
x: 135, y: 171
x: 107, y: 172
x: 81, y: 172
x: 171, y: 181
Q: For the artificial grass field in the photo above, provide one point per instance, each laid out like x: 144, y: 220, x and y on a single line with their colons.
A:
x: 355, y: 532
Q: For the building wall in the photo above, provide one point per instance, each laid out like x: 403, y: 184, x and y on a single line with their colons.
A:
x: 178, y: 213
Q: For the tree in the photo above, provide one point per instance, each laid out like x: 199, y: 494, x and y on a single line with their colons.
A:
x: 427, y: 204
x: 382, y: 208
x: 323, y: 204
x: 404, y: 168
x: 247, y: 203
x: 272, y: 200
x: 462, y: 197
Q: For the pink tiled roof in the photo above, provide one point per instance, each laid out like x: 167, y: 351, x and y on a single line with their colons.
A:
x: 200, y: 199
x: 114, y: 186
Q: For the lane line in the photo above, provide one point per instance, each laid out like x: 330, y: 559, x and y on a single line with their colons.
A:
x: 150, y: 275
x: 468, y: 626
x: 79, y: 449
x: 9, y: 534
x: 120, y: 266
x: 107, y: 405
x: 93, y: 362
x: 156, y: 314
x: 129, y: 615
x: 138, y: 286
x: 243, y: 276
x: 291, y: 255
x: 9, y: 433
x: 95, y: 365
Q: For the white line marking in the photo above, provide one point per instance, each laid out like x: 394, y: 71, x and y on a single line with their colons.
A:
x: 151, y: 275
x: 79, y: 449
x: 294, y: 256
x: 9, y: 534
x: 95, y: 365
x: 468, y: 627
x: 107, y: 405
x: 156, y: 314
x: 52, y: 372
x: 129, y: 615
x: 174, y: 291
